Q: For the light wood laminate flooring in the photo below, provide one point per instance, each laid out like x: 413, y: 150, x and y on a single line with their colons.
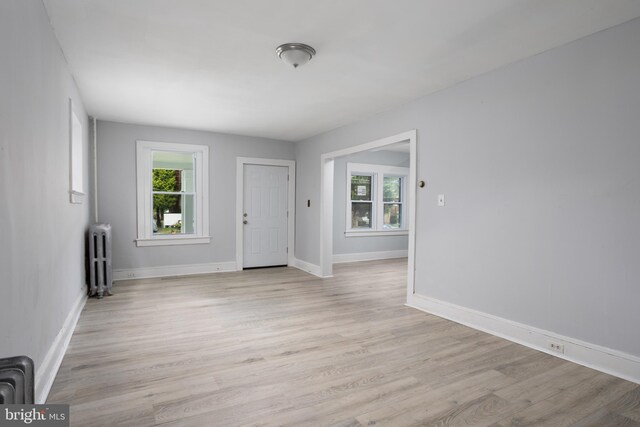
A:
x: 278, y: 346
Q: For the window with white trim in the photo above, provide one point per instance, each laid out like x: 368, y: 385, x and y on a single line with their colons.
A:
x: 376, y: 200
x: 172, y: 185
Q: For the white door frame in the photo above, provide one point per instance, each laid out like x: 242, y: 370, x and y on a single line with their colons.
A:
x: 291, y: 205
x: 326, y: 201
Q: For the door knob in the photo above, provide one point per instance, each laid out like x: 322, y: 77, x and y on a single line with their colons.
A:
x: 245, y: 222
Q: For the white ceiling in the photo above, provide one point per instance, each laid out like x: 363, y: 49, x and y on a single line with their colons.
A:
x: 211, y: 64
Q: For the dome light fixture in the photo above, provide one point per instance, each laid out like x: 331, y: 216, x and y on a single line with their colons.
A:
x: 295, y: 54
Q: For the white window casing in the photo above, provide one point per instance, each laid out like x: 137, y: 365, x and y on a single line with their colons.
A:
x: 377, y: 172
x: 144, y: 184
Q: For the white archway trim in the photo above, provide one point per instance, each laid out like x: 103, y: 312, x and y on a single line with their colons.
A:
x: 326, y: 201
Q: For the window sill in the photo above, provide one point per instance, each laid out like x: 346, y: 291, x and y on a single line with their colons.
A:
x: 174, y: 240
x: 377, y: 233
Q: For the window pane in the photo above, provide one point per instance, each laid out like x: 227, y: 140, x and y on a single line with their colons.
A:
x: 172, y: 160
x: 187, y: 181
x: 173, y: 171
x: 392, y: 215
x: 361, y: 187
x: 173, y: 214
x: 188, y: 219
x: 392, y: 189
x: 166, y: 180
x: 361, y: 215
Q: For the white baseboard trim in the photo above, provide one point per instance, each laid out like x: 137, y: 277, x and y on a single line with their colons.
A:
x: 173, y: 270
x: 47, y: 371
x: 613, y: 362
x: 308, y: 267
x: 370, y: 256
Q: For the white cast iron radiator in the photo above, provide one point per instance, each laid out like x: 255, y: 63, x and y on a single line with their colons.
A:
x: 100, y: 259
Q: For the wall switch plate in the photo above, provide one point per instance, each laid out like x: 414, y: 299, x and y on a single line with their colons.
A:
x: 440, y: 199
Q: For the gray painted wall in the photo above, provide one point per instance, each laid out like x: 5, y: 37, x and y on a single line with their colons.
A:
x: 539, y: 162
x: 350, y: 245
x: 42, y: 271
x: 117, y: 190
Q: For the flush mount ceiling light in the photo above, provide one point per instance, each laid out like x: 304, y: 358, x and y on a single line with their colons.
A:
x: 295, y: 54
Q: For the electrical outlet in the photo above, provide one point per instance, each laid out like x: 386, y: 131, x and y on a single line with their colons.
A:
x: 131, y: 275
x: 556, y: 346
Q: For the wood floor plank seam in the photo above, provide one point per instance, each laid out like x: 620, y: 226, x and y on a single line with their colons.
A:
x: 280, y: 347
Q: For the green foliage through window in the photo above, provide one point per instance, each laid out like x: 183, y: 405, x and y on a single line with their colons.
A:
x: 165, y: 180
x: 392, y: 188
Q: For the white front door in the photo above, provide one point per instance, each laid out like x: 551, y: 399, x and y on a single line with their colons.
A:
x: 265, y: 215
